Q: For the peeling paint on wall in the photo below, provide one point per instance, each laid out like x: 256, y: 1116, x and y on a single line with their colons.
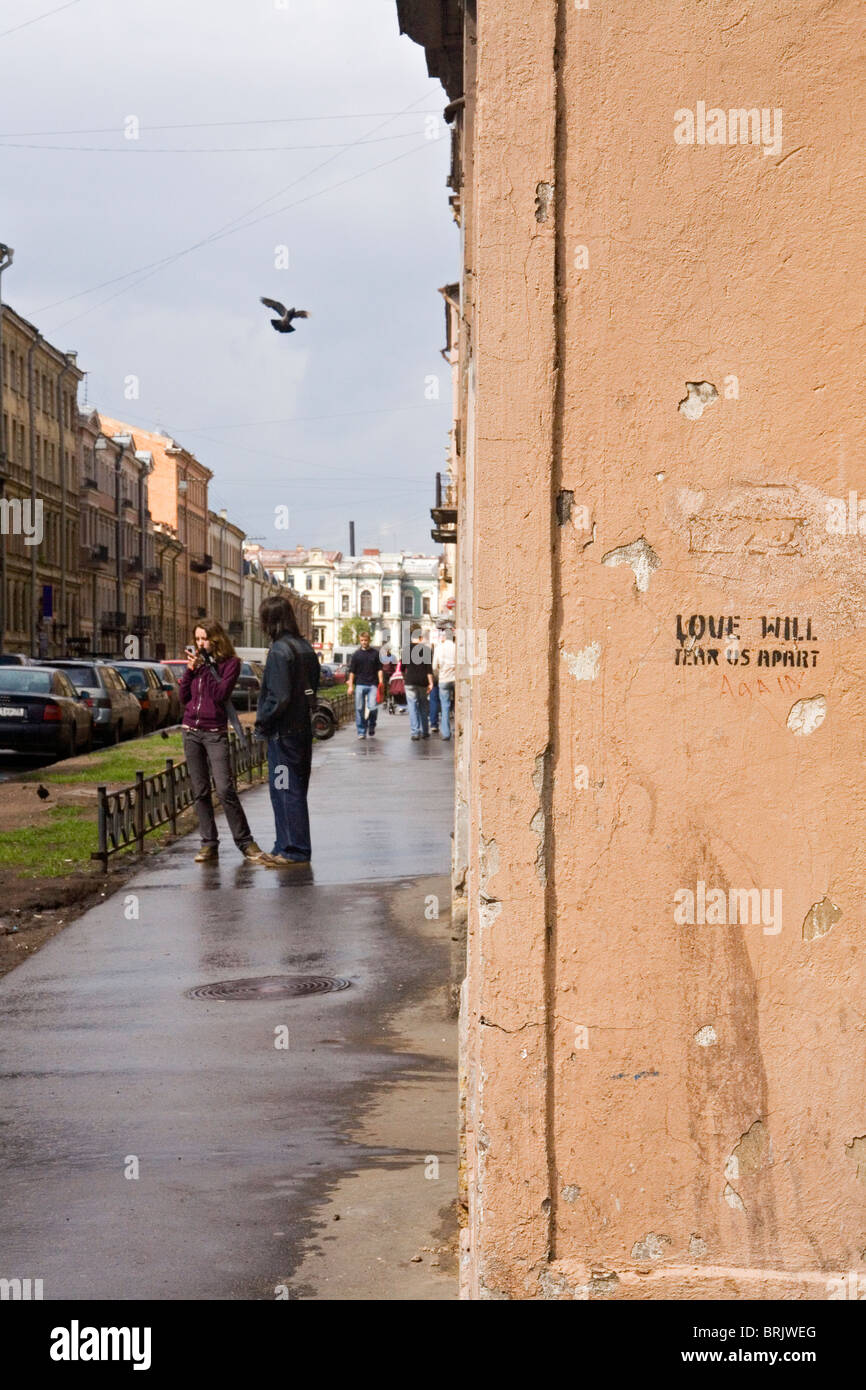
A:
x: 543, y: 200
x: 706, y: 1036
x: 733, y: 1199
x: 700, y: 395
x: 584, y: 665
x: 820, y: 918
x: 650, y: 1248
x: 642, y: 558
x: 806, y: 716
x: 751, y: 1154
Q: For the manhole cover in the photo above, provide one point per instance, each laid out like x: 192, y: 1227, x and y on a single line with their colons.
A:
x: 268, y: 987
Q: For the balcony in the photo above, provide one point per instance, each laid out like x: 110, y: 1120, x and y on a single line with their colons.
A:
x: 89, y: 485
x: 236, y: 628
x: 201, y: 564
x: 92, y: 557
x: 130, y: 503
x: 112, y: 621
x: 132, y: 564
x: 153, y: 577
x: 141, y: 622
x: 445, y: 511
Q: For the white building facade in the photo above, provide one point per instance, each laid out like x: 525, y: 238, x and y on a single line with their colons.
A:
x: 398, y: 594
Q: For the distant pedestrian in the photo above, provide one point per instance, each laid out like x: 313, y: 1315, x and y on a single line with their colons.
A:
x: 283, y: 718
x: 206, y: 689
x: 445, y: 667
x: 418, y: 675
x: 435, y: 702
x: 366, y: 676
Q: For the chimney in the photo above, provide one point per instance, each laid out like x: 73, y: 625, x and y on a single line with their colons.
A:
x: 351, y: 537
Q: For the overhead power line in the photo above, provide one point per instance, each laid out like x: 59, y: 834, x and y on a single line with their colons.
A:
x: 131, y: 147
x: 212, y: 125
x: 4, y: 33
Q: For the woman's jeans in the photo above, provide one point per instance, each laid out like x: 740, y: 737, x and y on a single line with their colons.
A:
x: 207, y: 752
x: 366, y: 709
x: 435, y: 706
x: 416, y: 697
x: 290, y: 759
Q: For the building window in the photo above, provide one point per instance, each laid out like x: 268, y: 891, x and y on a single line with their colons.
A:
x: 309, y: 581
x: 321, y: 581
x: 425, y: 606
x: 320, y: 610
x: 386, y: 603
x: 408, y: 605
x: 344, y: 604
x: 366, y: 604
x: 290, y: 580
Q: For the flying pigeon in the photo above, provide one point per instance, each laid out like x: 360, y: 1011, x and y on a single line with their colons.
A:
x: 284, y: 323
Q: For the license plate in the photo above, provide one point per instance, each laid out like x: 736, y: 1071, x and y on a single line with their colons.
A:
x: 11, y: 712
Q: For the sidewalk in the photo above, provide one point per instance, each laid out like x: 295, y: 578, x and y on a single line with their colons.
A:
x: 258, y: 1166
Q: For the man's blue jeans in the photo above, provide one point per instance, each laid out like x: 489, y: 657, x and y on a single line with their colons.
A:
x: 446, y: 695
x: 290, y: 758
x: 366, y: 709
x: 416, y: 698
x: 435, y: 707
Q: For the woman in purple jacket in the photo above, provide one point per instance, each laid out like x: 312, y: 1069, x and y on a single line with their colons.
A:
x: 206, y: 687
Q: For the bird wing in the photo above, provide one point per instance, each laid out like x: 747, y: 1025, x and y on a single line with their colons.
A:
x: 298, y: 314
x: 275, y: 305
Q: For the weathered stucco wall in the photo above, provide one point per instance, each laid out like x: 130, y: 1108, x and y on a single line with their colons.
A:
x: 660, y: 539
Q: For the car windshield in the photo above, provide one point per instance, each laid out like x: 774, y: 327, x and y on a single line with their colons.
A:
x: 24, y: 680
x: 134, y: 677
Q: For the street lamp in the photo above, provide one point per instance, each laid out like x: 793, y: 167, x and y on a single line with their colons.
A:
x: 6, y: 258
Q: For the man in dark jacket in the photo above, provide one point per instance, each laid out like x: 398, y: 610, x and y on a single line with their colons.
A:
x: 286, y: 699
x: 418, y: 675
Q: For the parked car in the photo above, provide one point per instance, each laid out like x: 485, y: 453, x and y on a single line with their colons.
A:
x: 326, y: 675
x: 341, y: 672
x: 170, y: 679
x: 16, y: 659
x: 116, y: 711
x: 150, y: 688
x: 42, y: 713
x: 249, y: 684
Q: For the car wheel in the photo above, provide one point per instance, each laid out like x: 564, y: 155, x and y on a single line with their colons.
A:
x: 67, y: 748
x: 116, y: 733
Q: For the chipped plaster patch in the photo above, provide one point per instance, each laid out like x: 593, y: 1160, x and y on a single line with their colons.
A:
x: 733, y: 1199
x: 537, y: 826
x: 570, y: 1192
x: 697, y: 1246
x: 650, y: 1248
x: 820, y: 918
x: 706, y: 1036
x: 700, y: 395
x: 584, y: 665
x: 543, y: 201
x: 806, y: 716
x: 751, y: 1154
x: 640, y: 556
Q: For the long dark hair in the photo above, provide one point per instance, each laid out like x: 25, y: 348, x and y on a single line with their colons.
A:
x: 221, y: 644
x: 277, y: 615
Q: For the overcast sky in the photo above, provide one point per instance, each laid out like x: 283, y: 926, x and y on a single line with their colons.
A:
x: 333, y: 421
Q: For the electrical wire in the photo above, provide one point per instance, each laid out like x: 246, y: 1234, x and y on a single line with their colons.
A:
x: 36, y: 18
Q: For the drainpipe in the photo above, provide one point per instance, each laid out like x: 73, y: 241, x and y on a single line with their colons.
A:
x: 64, y: 559
x: 6, y: 257
x: 31, y: 352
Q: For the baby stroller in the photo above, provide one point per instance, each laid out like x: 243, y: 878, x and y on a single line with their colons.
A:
x: 396, y: 691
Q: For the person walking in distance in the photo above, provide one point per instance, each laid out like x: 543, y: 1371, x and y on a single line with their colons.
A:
x: 286, y: 701
x: 445, y: 667
x: 418, y: 675
x: 206, y: 689
x: 365, y: 678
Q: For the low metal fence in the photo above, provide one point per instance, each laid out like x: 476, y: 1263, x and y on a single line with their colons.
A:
x: 127, y: 815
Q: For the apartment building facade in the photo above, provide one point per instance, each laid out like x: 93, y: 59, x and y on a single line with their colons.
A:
x: 225, y: 580
x: 397, y: 592
x: 310, y: 573
x: 39, y: 582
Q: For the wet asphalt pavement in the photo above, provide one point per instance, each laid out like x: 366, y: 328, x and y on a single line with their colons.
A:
x: 108, y: 1068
